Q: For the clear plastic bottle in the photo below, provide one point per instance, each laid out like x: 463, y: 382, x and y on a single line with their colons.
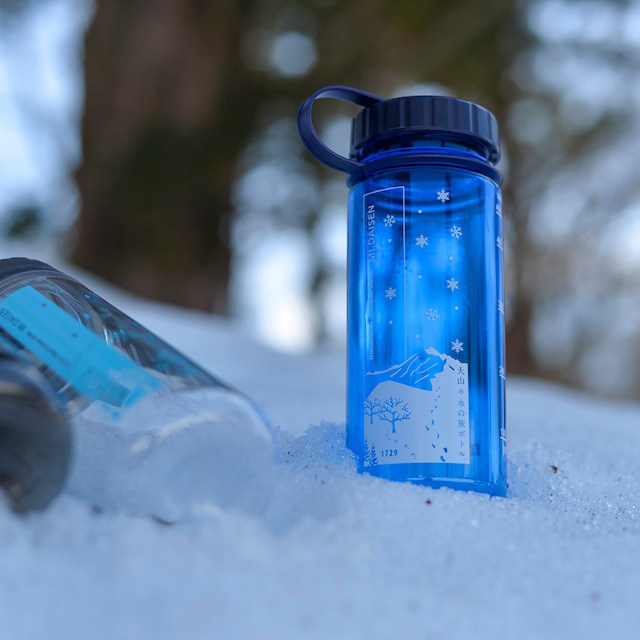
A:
x: 425, y: 336
x: 35, y: 435
x: 154, y: 434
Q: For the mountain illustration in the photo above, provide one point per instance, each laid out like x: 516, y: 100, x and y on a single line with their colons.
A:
x: 416, y: 371
x: 416, y: 411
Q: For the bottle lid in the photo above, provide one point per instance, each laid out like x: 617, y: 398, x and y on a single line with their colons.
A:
x: 12, y: 266
x: 427, y: 115
x: 35, y: 436
x: 437, y: 117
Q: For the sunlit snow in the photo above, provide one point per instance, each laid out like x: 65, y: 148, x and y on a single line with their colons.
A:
x: 342, y: 555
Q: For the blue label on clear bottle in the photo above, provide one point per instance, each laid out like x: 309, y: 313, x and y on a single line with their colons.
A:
x: 81, y: 358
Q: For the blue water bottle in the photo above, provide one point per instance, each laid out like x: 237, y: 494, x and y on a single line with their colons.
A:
x: 425, y: 312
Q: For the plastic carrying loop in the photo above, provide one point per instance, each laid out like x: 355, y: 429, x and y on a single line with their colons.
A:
x: 307, y: 131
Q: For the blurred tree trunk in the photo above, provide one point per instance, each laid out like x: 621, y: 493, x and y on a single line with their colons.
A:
x: 167, y: 105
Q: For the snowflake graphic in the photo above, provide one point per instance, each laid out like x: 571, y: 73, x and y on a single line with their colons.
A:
x: 390, y: 220
x: 390, y: 293
x: 422, y: 241
x: 452, y: 284
x: 456, y: 232
x: 432, y: 314
x: 443, y: 196
x: 457, y: 346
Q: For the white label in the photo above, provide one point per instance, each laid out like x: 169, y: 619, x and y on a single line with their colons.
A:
x: 409, y: 424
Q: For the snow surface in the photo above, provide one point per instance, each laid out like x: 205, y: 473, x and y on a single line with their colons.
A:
x: 342, y: 555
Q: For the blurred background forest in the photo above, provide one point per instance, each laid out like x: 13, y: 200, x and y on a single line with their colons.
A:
x: 153, y: 143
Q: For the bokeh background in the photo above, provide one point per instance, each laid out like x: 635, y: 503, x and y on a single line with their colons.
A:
x: 153, y: 143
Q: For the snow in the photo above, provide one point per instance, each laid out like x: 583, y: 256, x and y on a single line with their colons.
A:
x: 342, y: 555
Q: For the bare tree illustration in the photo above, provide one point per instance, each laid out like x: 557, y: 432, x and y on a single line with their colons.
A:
x: 394, y: 410
x: 372, y: 407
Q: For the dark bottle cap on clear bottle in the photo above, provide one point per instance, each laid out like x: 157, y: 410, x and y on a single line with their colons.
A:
x: 35, y: 437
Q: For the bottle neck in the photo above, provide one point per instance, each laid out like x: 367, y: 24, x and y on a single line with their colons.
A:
x: 425, y: 150
x: 412, y: 143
